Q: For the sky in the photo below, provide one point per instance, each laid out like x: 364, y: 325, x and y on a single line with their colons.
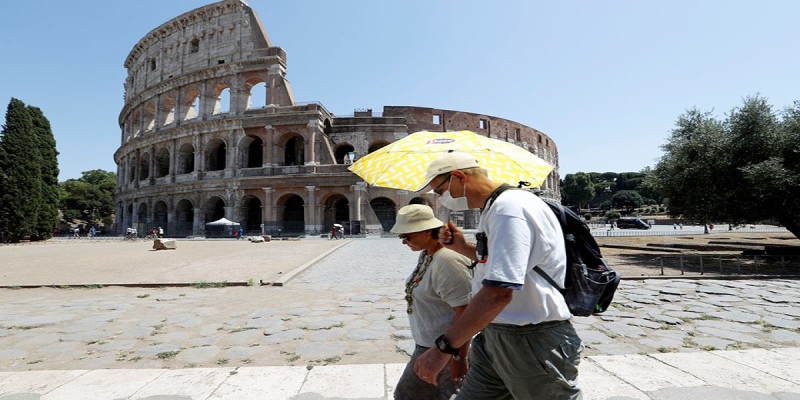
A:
x: 606, y: 80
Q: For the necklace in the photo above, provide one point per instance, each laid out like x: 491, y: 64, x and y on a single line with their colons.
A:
x: 416, y: 277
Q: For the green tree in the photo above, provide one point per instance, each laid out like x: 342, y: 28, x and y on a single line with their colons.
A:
x: 90, y: 197
x: 20, y: 177
x: 47, y: 218
x: 627, y: 199
x: 743, y: 170
x: 577, y: 189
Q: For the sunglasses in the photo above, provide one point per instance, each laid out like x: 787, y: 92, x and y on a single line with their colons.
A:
x: 439, y: 186
x: 406, y: 236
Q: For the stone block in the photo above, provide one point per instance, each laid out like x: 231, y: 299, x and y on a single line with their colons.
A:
x: 165, y: 244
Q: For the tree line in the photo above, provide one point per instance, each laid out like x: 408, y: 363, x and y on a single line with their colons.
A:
x: 740, y: 169
x: 32, y: 201
x: 607, y: 190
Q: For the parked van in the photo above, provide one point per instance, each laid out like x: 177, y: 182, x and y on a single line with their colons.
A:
x: 632, y: 223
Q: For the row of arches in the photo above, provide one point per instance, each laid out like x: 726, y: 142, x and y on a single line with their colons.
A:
x: 187, y: 105
x: 251, y: 150
x: 188, y: 220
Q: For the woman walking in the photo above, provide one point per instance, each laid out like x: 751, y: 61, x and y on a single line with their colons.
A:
x: 437, y: 291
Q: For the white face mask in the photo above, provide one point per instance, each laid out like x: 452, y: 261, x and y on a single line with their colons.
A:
x: 459, y: 204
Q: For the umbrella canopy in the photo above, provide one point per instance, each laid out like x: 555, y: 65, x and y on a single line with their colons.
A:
x: 402, y: 164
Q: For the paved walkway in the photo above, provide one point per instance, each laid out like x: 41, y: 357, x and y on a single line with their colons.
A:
x: 338, y: 330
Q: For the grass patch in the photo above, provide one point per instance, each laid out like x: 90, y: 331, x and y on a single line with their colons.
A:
x: 207, y: 285
x: 24, y: 327
x: 665, y: 349
x: 166, y: 355
x: 242, y: 329
x: 709, y: 348
x: 223, y: 361
x: 143, y: 296
x: 94, y: 286
x: 293, y: 358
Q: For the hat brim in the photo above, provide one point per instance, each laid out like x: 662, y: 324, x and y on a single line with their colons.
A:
x: 427, y: 182
x: 416, y: 226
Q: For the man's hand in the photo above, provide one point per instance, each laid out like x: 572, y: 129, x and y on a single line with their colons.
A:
x: 452, y: 238
x: 429, y: 364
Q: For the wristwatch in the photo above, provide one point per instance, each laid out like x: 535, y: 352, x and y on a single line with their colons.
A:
x: 444, y: 345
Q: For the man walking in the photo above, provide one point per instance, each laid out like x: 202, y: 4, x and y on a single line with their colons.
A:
x: 526, y: 347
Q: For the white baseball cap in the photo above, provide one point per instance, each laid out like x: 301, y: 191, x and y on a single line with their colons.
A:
x: 447, y: 163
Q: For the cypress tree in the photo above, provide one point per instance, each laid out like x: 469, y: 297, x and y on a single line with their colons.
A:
x: 20, y: 181
x: 48, y: 168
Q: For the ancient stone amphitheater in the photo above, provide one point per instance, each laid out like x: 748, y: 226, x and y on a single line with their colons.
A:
x: 211, y: 129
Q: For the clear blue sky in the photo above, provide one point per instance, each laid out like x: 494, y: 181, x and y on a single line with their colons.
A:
x: 606, y: 80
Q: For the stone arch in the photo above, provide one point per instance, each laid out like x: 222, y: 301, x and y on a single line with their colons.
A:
x: 136, y: 124
x: 386, y: 210
x: 293, y: 213
x: 251, y: 213
x: 256, y: 90
x: 129, y: 215
x: 421, y: 200
x: 162, y: 162
x: 160, y: 215
x: 186, y: 158
x: 376, y: 145
x: 294, y: 150
x: 214, y: 209
x: 149, y: 116
x: 184, y: 219
x: 191, y: 104
x: 222, y: 98
x: 335, y: 210
x: 341, y: 153
x: 216, y: 155
x: 144, y: 166
x: 132, y: 169
x: 141, y: 216
x: 251, y: 149
x: 168, y: 111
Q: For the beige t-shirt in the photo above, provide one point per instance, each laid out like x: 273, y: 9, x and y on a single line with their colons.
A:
x: 446, y: 284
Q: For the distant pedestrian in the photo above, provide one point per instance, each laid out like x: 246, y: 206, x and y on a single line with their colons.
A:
x: 160, y: 232
x: 92, y: 232
x: 674, y: 226
x: 240, y: 234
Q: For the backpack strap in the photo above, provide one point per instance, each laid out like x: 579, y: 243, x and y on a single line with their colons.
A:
x: 548, y: 278
x: 568, y: 238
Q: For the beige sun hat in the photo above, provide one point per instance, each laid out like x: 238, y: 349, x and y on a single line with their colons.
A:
x: 415, y: 218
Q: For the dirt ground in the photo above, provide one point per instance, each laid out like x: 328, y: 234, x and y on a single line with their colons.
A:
x: 639, y: 263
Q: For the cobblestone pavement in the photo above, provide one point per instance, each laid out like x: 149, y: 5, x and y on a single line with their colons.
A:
x: 348, y: 308
x: 345, y: 317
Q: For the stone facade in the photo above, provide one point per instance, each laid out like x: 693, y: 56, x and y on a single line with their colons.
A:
x: 211, y: 129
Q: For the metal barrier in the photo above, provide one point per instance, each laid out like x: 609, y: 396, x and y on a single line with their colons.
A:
x: 730, y: 265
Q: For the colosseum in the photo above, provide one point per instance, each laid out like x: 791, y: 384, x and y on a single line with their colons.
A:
x: 211, y: 129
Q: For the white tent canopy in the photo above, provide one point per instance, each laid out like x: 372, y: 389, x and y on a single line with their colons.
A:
x: 223, y: 222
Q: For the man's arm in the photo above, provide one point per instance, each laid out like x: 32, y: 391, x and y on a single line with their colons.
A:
x: 480, y: 311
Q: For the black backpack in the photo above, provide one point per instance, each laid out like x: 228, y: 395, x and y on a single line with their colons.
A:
x: 590, y: 283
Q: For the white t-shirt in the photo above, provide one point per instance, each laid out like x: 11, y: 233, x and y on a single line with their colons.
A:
x: 523, y: 232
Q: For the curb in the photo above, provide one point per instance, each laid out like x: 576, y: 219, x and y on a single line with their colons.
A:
x: 291, y: 274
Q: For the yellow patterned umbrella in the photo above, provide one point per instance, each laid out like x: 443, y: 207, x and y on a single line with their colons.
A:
x: 402, y: 164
